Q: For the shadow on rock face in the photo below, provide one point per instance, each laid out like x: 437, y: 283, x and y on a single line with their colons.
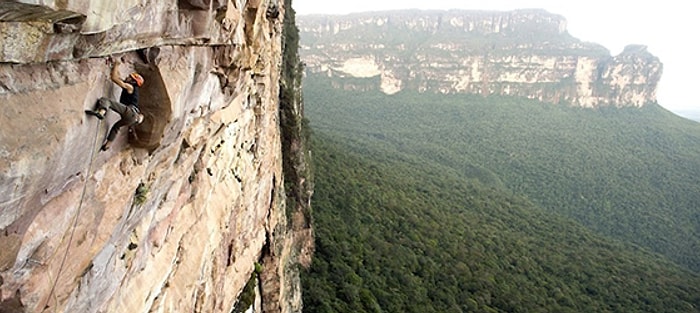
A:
x: 13, y: 304
x: 155, y: 105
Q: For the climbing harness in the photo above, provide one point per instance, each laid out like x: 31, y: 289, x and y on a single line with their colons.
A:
x: 77, y: 216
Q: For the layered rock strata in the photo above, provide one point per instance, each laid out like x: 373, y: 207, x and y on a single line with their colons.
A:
x: 526, y: 53
x: 175, y: 217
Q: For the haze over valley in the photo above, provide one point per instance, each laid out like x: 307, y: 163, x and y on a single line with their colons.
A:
x: 491, y: 162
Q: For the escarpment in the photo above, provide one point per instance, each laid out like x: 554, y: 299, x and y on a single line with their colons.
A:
x: 526, y: 53
x: 177, y: 216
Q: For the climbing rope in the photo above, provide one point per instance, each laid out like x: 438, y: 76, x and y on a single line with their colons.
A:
x: 75, y: 220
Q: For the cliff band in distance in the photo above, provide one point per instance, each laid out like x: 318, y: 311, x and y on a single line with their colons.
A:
x: 526, y: 53
x: 175, y: 219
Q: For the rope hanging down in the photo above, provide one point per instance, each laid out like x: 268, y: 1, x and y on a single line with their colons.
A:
x: 75, y: 220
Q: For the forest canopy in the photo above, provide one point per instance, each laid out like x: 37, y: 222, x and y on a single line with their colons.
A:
x: 469, y: 204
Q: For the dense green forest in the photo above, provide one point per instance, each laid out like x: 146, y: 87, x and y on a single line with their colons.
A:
x: 632, y: 174
x: 399, y: 235
x: 462, y: 203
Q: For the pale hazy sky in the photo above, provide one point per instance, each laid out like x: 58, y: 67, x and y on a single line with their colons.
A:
x: 668, y: 28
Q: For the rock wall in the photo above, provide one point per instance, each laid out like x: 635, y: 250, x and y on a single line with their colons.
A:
x: 525, y: 53
x: 176, y: 220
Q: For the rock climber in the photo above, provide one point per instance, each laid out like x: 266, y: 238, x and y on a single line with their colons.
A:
x: 127, y: 107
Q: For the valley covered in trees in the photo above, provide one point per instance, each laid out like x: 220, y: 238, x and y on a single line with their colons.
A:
x: 454, y: 203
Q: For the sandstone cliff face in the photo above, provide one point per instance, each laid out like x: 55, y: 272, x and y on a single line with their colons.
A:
x: 175, y: 219
x: 524, y: 53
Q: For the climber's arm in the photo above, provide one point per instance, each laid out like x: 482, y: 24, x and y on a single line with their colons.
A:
x: 117, y: 80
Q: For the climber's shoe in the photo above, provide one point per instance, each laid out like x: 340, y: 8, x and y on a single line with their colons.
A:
x: 105, y: 146
x: 96, y: 114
